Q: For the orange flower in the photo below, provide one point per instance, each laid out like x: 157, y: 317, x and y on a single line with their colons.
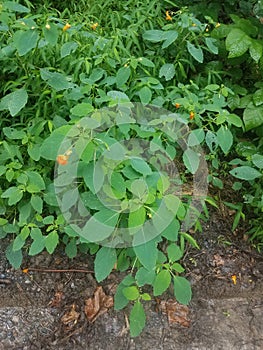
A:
x: 66, y: 27
x: 234, y: 279
x: 25, y: 270
x: 177, y: 105
x: 94, y: 26
x: 62, y: 159
x: 192, y: 115
x: 167, y: 16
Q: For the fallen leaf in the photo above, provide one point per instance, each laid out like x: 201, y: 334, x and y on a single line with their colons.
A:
x: 56, y: 301
x: 71, y: 317
x: 218, y: 260
x: 98, y: 305
x: 177, y: 313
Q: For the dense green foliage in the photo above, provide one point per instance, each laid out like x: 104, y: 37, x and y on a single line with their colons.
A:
x: 70, y: 71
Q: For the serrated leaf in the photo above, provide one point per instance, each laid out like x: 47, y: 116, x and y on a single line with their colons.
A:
x: 224, y: 138
x: 245, y: 172
x: 195, y: 52
x: 104, y: 262
x: 182, y: 290
x: 137, y: 319
x: 167, y: 71
x: 161, y: 282
x: 191, y: 160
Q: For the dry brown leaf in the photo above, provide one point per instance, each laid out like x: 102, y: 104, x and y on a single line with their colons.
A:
x: 71, y: 317
x: 98, y: 305
x: 218, y: 260
x: 177, y: 313
x: 56, y: 301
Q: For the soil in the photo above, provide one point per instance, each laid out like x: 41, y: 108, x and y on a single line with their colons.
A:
x: 45, y: 310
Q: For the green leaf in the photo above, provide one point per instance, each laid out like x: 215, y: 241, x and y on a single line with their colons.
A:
x: 237, y: 43
x: 211, y: 140
x: 210, y: 43
x: 25, y: 41
x: 122, y: 76
x: 255, y: 49
x: 82, y: 110
x: 178, y: 268
x: 224, y: 138
x: 245, y: 172
x: 253, y: 116
x: 172, y: 203
x: 37, y: 203
x: 105, y: 260
x: 191, y: 160
x: 258, y: 97
x: 169, y: 37
x: 71, y: 248
x: 174, y: 252
x: 51, y: 145
x: 14, y: 195
x: 56, y: 80
x: 171, y: 231
x: 195, y: 52
x: 14, y: 101
x: 196, y: 137
x: 136, y: 219
x: 145, y: 95
x: 168, y: 71
x: 38, y: 241
x: 131, y: 293
x: 51, y: 34
x: 68, y: 48
x: 146, y: 62
x: 153, y: 35
x: 182, y: 290
x: 13, y: 6
x: 141, y: 166
x: 161, y: 282
x: 35, y: 182
x: 51, y: 241
x: 14, y: 257
x: 257, y: 160
x: 119, y: 299
x: 144, y: 276
x: 147, y: 254
x: 190, y: 239
x: 137, y: 319
x: 21, y: 238
x: 14, y: 134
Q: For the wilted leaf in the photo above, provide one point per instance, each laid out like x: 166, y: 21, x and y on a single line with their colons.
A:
x: 70, y: 318
x: 176, y: 312
x: 98, y: 305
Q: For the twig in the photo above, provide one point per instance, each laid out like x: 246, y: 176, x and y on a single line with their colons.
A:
x: 56, y: 270
x: 4, y: 281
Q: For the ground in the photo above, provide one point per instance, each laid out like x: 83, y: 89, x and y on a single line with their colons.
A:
x: 45, y: 310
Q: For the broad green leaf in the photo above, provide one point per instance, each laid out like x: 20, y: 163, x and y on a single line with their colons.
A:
x: 51, y: 241
x: 182, y: 290
x: 14, y: 257
x: 96, y: 75
x: 71, y: 248
x: 191, y: 160
x: 105, y: 260
x: 25, y: 41
x: 136, y: 219
x: 196, y: 137
x: 257, y: 160
x: 178, y: 268
x: 147, y: 254
x: 145, y: 95
x: 117, y: 182
x: 255, y: 49
x: 14, y: 101
x: 211, y: 141
x: 245, y: 172
x: 210, y: 43
x: 13, y: 6
x: 14, y: 194
x: 51, y: 145
x: 146, y: 62
x: 167, y: 71
x: 224, y: 138
x: 68, y: 48
x: 234, y: 119
x: 122, y: 76
x: 131, y: 293
x: 258, y: 97
x: 21, y: 238
x: 69, y: 199
x: 56, y: 80
x: 51, y: 33
x: 37, y: 203
x: 161, y: 282
x: 174, y: 252
x: 195, y: 52
x: 172, y: 203
x: 171, y: 231
x: 137, y: 319
x: 13, y: 133
x: 253, y: 116
x: 139, y: 188
x: 169, y: 37
x: 237, y: 43
x: 144, y: 276
x: 141, y: 166
x: 35, y: 182
x: 82, y: 110
x: 38, y: 241
x: 120, y: 301
x: 153, y: 35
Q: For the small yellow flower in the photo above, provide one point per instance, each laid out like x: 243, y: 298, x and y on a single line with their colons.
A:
x: 47, y: 26
x: 192, y: 115
x: 217, y: 25
x: 167, y: 16
x: 94, y: 26
x: 193, y: 25
x: 66, y: 27
x: 177, y: 105
x: 234, y: 279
